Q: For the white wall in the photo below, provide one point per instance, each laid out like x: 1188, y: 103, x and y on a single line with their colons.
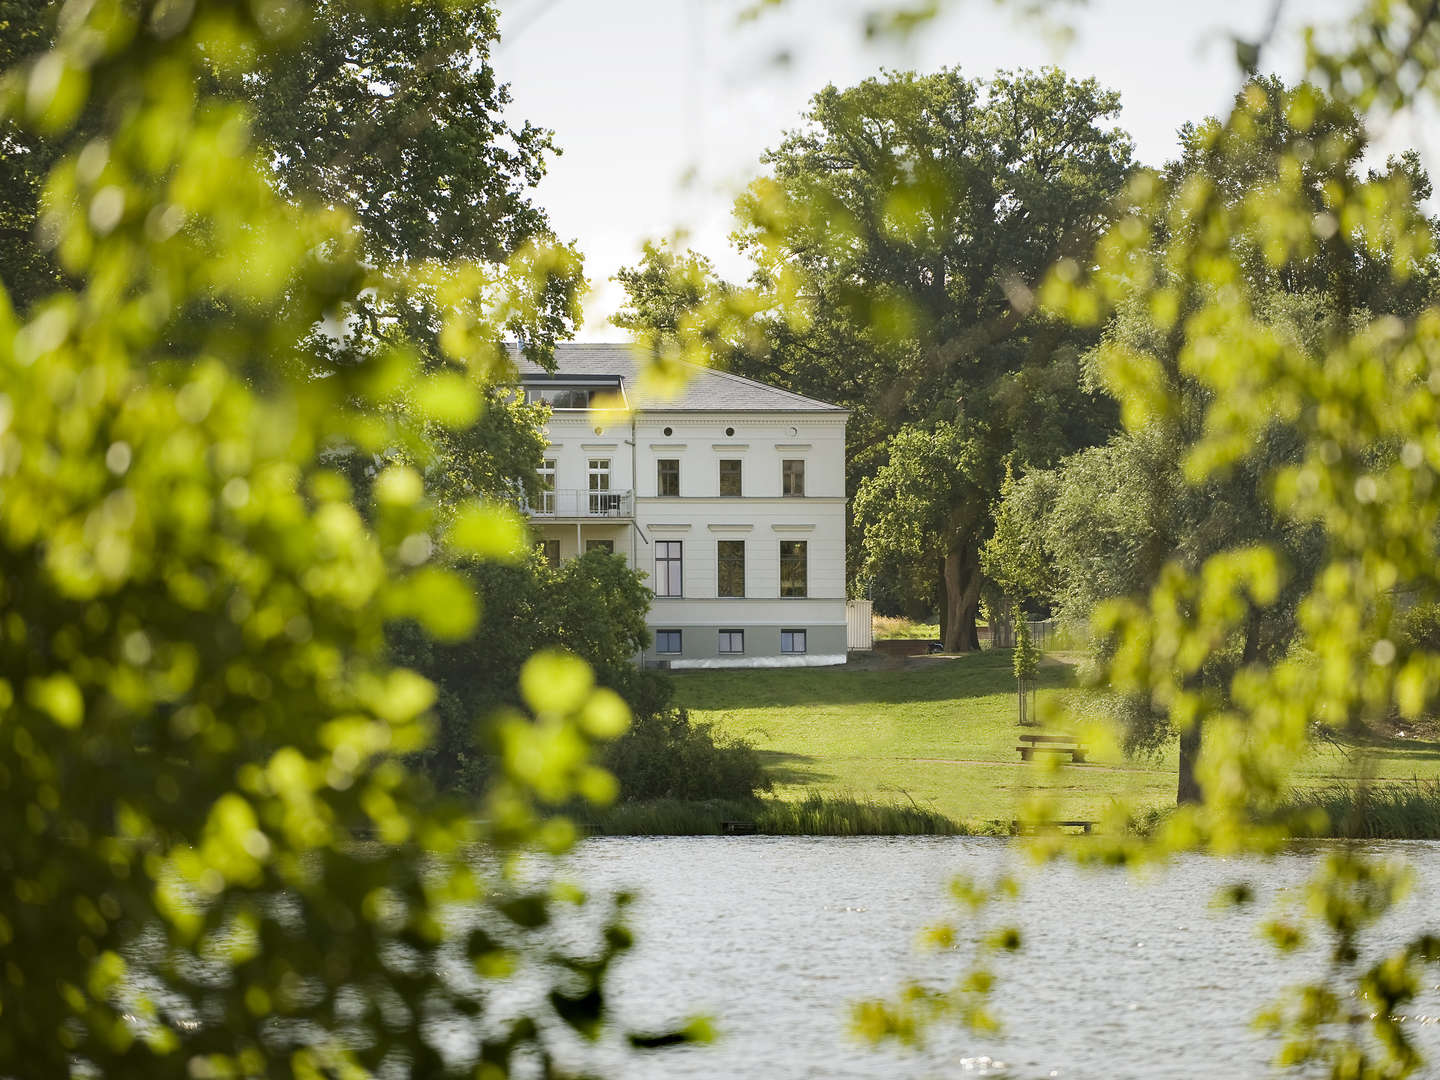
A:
x: 700, y: 517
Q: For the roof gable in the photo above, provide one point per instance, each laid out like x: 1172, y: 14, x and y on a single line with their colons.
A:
x: 707, y: 390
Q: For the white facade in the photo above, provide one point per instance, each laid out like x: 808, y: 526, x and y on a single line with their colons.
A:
x: 660, y: 483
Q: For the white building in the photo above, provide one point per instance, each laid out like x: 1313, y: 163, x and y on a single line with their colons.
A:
x: 730, y: 496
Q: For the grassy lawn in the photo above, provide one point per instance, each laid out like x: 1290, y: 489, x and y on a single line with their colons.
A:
x: 942, y: 731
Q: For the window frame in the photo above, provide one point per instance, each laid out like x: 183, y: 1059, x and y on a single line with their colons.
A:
x: 546, y: 475
x: 799, y: 555
x: 728, y: 637
x: 663, y: 581
x: 661, y: 477
x: 792, y: 478
x: 739, y: 478
x: 546, y: 547
x: 794, y: 633
x: 679, y: 642
x: 564, y: 398
x: 720, y: 564
x: 597, y: 484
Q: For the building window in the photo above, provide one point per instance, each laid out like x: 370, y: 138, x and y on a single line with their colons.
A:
x: 732, y: 641
x: 667, y: 641
x: 607, y: 546
x: 669, y: 576
x: 565, y: 397
x: 667, y: 477
x: 792, y: 641
x: 730, y: 568
x: 547, y: 486
x: 551, y: 550
x: 730, y: 476
x: 793, y: 570
x: 792, y: 476
x: 598, y: 475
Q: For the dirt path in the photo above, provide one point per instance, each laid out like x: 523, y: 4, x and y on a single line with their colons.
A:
x: 1089, y: 765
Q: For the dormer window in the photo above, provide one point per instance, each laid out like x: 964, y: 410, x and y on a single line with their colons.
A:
x: 564, y: 397
x: 574, y: 393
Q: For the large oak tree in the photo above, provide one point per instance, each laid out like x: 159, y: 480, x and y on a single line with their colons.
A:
x: 908, y: 219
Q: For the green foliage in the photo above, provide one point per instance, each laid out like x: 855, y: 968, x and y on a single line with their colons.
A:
x: 666, y: 755
x: 896, y: 244
x: 1026, y: 659
x: 29, y: 271
x: 199, y: 712
x: 839, y: 815
x: 1306, y: 447
x: 1356, y: 407
x: 1377, y: 810
x: 814, y: 815
x: 919, y: 507
x: 395, y: 112
x: 593, y: 607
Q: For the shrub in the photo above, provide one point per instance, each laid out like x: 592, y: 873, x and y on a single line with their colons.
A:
x: 665, y: 755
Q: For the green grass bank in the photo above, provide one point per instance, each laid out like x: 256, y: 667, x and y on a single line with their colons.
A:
x: 940, y: 733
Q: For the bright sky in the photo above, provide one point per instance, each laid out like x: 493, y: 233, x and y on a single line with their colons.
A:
x: 662, y: 107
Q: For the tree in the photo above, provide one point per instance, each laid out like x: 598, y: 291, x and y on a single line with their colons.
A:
x: 1110, y: 521
x: 895, y: 244
x: 1204, y: 262
x: 593, y: 607
x: 29, y: 270
x: 1026, y: 663
x: 193, y: 670
x: 921, y: 507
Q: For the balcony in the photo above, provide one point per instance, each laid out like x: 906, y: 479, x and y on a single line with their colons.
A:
x: 586, y: 505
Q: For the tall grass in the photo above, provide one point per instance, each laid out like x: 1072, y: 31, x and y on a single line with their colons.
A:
x: 897, y: 626
x: 821, y: 815
x: 1392, y: 810
x: 816, y: 815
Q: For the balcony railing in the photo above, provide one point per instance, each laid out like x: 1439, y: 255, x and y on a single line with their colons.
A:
x: 584, y: 504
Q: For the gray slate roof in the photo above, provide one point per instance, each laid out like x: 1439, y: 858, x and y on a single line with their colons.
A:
x: 706, y: 391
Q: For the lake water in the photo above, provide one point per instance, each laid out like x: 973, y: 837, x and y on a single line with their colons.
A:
x: 773, y: 938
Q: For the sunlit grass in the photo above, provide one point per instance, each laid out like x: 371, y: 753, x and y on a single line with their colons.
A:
x: 941, y: 733
x: 897, y: 626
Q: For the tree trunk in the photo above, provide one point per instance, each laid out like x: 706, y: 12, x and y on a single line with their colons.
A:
x: 1188, y: 790
x: 942, y: 601
x: 962, y: 598
x: 1002, y: 630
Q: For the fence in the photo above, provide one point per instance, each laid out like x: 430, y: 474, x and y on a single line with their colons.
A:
x: 859, y: 629
x: 1042, y: 633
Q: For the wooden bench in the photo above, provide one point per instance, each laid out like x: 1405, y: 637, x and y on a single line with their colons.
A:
x: 1051, y: 744
x: 1034, y: 828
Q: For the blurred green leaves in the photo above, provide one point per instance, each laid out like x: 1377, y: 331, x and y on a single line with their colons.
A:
x: 212, y: 509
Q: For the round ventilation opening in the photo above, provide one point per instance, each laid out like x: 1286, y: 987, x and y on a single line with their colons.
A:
x: 669, y: 432
x: 729, y: 431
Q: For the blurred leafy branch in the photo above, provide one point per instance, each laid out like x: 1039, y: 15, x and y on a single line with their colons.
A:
x: 231, y: 363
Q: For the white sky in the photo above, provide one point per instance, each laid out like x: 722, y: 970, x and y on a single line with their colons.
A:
x: 662, y: 107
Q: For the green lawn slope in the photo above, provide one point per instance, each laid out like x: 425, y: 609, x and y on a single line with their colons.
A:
x: 941, y: 732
